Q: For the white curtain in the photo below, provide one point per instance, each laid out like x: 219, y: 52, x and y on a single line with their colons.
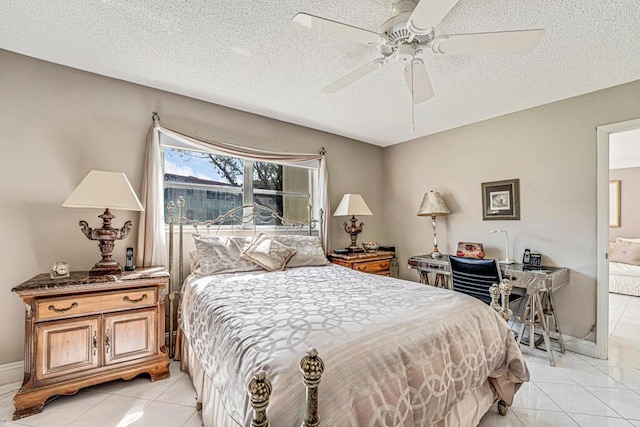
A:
x: 151, y: 231
x: 151, y: 238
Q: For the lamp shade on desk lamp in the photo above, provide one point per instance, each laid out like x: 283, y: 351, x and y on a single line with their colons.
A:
x: 433, y: 205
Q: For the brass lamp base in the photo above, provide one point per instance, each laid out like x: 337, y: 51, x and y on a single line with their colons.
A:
x: 435, y: 254
x: 106, y: 235
x: 353, y: 231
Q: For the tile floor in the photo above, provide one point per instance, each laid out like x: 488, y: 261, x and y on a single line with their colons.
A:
x: 579, y: 391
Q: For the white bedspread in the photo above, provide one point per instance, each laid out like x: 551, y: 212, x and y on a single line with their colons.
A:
x: 395, y: 352
x: 624, y: 278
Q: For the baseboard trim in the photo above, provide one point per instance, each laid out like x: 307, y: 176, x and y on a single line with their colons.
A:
x: 11, y: 372
x: 586, y: 348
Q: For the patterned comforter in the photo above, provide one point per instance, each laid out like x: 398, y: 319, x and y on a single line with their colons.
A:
x: 395, y: 352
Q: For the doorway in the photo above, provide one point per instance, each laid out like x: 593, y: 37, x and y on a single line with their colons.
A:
x: 604, y: 137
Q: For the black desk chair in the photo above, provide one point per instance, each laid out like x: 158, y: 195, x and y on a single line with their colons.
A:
x: 474, y: 277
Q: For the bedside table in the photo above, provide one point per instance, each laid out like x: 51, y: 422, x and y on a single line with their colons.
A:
x: 81, y: 331
x: 378, y: 262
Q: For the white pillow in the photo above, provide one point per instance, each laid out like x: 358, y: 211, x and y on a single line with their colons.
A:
x: 268, y: 253
x: 221, y: 255
x: 309, y: 250
x: 624, y: 239
x: 627, y: 252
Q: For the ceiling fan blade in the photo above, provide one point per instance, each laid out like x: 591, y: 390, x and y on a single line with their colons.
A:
x: 337, y: 29
x: 357, y: 74
x: 506, y: 42
x: 428, y: 14
x: 417, y: 79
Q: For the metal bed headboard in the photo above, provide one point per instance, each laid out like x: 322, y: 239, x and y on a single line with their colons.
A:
x: 245, y: 218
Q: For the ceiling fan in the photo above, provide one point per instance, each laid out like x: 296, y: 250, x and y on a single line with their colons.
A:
x: 410, y: 33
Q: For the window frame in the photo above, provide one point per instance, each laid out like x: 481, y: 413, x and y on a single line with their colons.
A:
x: 248, y: 191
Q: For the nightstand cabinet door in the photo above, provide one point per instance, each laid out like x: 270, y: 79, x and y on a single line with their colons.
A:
x: 130, y: 335
x: 67, y: 347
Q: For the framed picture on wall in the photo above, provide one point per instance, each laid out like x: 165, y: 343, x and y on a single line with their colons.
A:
x: 501, y: 200
x: 614, y: 203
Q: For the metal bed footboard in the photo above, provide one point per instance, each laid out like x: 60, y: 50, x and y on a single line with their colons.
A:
x: 311, y: 367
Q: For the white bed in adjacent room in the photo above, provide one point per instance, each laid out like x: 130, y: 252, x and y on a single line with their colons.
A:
x: 624, y: 266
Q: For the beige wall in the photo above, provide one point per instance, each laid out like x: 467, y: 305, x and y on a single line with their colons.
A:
x: 552, y: 150
x: 629, y: 203
x: 57, y: 123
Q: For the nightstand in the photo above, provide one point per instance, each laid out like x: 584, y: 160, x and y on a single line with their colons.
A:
x: 81, y: 331
x: 378, y: 262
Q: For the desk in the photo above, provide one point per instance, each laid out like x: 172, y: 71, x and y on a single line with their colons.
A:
x: 439, y: 267
x: 540, y: 285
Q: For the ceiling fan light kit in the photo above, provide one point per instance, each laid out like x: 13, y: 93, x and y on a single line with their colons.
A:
x: 409, y: 33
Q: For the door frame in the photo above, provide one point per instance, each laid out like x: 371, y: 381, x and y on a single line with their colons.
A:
x: 602, y: 190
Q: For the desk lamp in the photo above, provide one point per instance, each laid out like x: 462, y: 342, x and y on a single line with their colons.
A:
x: 105, y: 190
x: 433, y: 205
x: 506, y: 259
x: 353, y: 204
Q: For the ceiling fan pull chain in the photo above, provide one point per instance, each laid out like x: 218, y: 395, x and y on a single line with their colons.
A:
x: 413, y: 106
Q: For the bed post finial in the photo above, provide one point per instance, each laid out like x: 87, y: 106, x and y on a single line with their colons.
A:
x: 259, y: 392
x: 505, y: 290
x: 312, y: 367
x: 494, y: 290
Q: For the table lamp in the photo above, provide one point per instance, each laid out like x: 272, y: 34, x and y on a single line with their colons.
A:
x: 433, y: 205
x: 353, y: 204
x: 105, y: 190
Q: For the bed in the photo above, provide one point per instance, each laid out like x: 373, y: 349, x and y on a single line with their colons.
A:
x: 395, y: 352
x: 624, y: 266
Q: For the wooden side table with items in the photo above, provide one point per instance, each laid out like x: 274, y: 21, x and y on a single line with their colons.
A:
x: 378, y: 262
x: 82, y: 330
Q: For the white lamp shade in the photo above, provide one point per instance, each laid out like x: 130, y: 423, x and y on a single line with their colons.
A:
x: 433, y: 204
x: 352, y: 204
x: 104, y: 190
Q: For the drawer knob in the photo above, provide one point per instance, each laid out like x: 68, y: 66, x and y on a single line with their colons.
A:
x: 62, y: 310
x: 134, y: 301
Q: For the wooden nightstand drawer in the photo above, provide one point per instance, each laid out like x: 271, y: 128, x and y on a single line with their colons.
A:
x: 57, y: 308
x: 378, y: 262
x: 373, y: 266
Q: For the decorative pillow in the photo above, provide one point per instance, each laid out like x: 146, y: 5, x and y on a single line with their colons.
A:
x: 626, y: 239
x: 470, y: 250
x: 309, y: 250
x: 194, y: 262
x: 626, y: 252
x: 612, y: 248
x: 268, y: 253
x: 221, y: 255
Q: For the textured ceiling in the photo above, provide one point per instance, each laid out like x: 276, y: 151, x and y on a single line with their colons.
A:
x: 244, y: 54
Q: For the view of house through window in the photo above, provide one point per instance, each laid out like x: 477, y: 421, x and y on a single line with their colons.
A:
x: 213, y: 184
